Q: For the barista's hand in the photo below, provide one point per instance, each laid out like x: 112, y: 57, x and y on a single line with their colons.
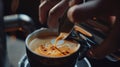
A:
x: 51, y: 10
x: 94, y: 8
x: 97, y: 8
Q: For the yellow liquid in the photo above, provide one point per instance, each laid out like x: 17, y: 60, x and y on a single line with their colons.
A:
x: 60, y: 37
x: 52, y: 50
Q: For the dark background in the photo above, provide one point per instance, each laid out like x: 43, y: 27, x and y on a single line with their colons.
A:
x: 30, y: 7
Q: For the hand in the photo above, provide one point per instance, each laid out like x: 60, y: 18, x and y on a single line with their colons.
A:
x: 100, y: 8
x: 94, y: 8
x: 51, y: 10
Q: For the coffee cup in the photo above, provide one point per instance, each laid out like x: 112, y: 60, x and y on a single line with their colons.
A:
x: 42, y: 52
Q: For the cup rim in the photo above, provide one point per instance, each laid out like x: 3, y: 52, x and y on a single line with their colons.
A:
x: 37, y: 31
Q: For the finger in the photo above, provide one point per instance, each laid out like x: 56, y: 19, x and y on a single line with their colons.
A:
x: 44, y: 8
x: 14, y: 5
x: 89, y: 10
x: 41, y: 1
x: 103, y: 24
x: 80, y: 12
x: 73, y: 2
x: 56, y: 12
x: 107, y: 20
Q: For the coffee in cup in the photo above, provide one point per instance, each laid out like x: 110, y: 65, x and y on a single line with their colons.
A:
x: 47, y: 46
x: 43, y: 50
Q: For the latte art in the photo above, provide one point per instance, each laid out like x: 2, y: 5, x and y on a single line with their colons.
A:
x: 44, y: 47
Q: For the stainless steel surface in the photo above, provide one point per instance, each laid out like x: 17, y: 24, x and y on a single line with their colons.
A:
x: 13, y: 23
x: 65, y: 25
x: 15, y: 50
x: 19, y: 21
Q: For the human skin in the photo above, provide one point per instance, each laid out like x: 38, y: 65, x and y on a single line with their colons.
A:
x: 51, y: 10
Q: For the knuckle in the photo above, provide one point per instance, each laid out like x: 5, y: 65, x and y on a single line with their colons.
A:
x: 52, y: 13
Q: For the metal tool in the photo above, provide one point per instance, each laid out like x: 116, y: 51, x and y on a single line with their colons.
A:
x: 65, y: 25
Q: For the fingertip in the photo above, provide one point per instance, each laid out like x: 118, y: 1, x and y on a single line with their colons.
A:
x: 40, y: 20
x: 52, y: 26
x: 52, y: 23
x: 73, y: 2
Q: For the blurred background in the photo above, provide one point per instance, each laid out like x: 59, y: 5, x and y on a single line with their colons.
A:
x: 14, y: 28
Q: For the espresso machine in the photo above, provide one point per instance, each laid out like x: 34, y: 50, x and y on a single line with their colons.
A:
x: 8, y: 24
x: 13, y: 23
